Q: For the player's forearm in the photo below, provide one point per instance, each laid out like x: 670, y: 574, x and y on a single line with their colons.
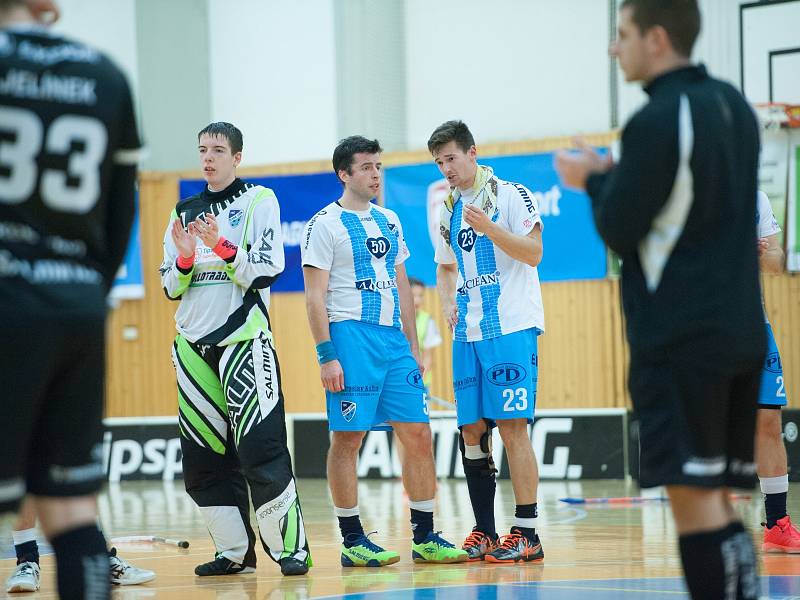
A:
x: 519, y: 247
x: 318, y: 318
x: 120, y: 219
x: 772, y: 261
x: 446, y: 277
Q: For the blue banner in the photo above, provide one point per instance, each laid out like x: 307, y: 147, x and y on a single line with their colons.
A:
x: 572, y: 247
x: 300, y: 197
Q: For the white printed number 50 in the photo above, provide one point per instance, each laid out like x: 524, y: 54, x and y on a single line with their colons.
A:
x: 521, y: 397
x: 18, y: 158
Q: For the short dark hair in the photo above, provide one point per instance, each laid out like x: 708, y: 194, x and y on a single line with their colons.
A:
x: 414, y: 281
x: 679, y: 18
x: 451, y: 131
x: 227, y: 130
x: 350, y: 146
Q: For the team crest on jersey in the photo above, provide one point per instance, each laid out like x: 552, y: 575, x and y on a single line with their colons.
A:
x: 235, y: 217
x: 378, y: 246
x: 348, y: 410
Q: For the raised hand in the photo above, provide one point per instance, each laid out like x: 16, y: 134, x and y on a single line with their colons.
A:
x: 184, y: 241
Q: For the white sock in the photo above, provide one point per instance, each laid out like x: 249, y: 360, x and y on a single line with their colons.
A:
x: 24, y: 535
x: 474, y: 453
x: 346, y: 512
x: 422, y: 505
x: 774, y: 485
x: 528, y: 523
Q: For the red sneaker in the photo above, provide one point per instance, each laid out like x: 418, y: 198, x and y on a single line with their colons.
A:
x: 478, y: 545
x: 515, y: 547
x: 784, y: 537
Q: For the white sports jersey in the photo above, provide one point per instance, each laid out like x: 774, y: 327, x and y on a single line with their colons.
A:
x: 495, y: 294
x: 766, y: 225
x: 361, y: 250
x: 223, y: 303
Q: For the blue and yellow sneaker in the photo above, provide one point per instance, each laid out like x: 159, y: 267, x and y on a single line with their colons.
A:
x: 363, y: 553
x: 436, y: 549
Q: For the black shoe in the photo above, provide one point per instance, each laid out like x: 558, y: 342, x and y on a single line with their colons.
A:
x: 292, y: 566
x: 222, y: 566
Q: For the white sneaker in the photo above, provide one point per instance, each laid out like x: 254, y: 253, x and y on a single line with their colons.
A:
x: 24, y: 579
x: 123, y: 573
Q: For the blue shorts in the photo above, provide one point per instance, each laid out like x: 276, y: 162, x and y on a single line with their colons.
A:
x: 382, y: 382
x: 772, y: 391
x: 496, y: 379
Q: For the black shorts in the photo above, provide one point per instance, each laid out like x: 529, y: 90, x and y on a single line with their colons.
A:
x: 51, y: 409
x: 696, y: 424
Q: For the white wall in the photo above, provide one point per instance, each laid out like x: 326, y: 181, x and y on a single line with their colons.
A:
x: 511, y: 69
x: 273, y: 75
x: 108, y: 25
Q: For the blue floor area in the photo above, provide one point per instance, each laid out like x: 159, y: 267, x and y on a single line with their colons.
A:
x: 773, y: 587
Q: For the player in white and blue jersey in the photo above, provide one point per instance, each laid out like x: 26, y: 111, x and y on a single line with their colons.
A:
x: 361, y: 314
x: 490, y: 245
x: 772, y: 465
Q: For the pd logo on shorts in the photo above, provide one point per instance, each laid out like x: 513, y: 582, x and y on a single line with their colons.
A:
x: 348, y: 410
x: 773, y: 363
x: 235, y: 217
x: 414, y: 379
x: 506, y: 374
x: 378, y: 246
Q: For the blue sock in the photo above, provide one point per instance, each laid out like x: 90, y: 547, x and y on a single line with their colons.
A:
x: 481, y: 485
x: 421, y: 524
x: 351, y: 528
x: 526, y: 511
x: 27, y: 552
x: 775, y: 507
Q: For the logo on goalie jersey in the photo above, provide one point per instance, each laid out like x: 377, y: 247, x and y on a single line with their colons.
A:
x: 235, y: 217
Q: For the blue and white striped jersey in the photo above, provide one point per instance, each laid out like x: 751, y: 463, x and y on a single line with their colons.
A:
x: 495, y: 294
x: 361, y: 250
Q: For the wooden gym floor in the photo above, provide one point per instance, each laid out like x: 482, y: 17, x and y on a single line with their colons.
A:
x: 591, y: 552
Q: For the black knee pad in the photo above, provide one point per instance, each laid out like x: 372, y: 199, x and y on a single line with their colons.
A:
x: 482, y: 466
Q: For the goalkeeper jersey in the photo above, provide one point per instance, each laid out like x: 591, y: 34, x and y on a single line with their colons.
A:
x: 225, y: 302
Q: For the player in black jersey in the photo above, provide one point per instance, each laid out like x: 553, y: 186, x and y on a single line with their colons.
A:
x: 68, y: 152
x: 679, y: 208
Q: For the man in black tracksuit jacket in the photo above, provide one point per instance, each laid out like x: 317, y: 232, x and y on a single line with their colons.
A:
x: 679, y: 208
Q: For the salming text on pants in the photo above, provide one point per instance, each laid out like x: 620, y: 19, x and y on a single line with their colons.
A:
x: 233, y: 434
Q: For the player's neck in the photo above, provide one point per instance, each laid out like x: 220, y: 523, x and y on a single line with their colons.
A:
x: 351, y: 201
x: 221, y: 186
x: 468, y: 188
x: 669, y: 63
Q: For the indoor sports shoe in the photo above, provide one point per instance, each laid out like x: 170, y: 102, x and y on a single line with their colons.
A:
x: 292, y: 566
x: 515, y: 547
x: 25, y: 578
x: 436, y: 549
x: 222, y: 566
x: 783, y: 537
x: 478, y: 544
x: 363, y: 553
x: 123, y: 573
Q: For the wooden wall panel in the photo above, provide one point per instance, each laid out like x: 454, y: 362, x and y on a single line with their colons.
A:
x: 141, y: 380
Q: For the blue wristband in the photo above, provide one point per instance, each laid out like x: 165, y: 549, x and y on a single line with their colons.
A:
x: 326, y: 352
